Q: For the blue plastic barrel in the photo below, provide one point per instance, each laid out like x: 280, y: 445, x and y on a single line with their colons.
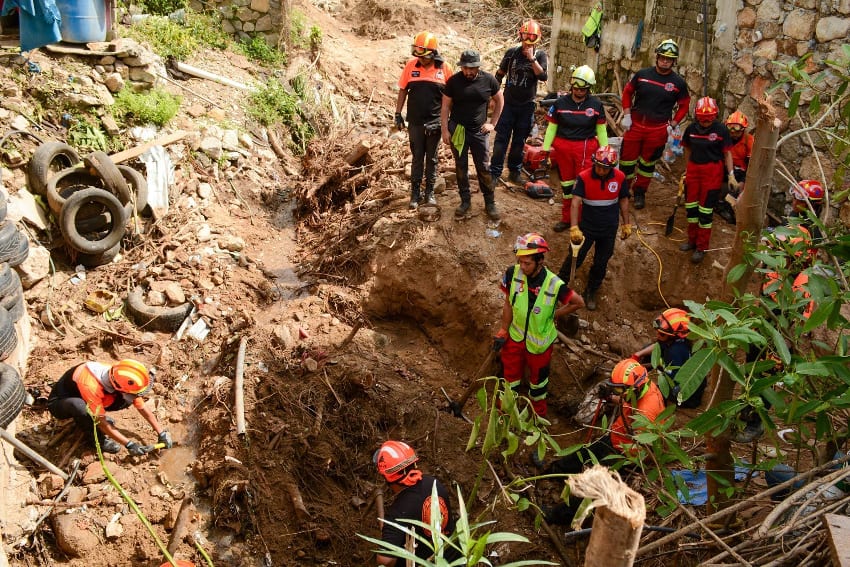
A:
x: 82, y: 20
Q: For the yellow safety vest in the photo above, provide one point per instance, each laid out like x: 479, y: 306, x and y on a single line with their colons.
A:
x: 538, y: 331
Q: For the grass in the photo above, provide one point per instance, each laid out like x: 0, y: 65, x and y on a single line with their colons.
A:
x: 274, y: 104
x: 173, y: 40
x: 257, y: 49
x: 155, y: 106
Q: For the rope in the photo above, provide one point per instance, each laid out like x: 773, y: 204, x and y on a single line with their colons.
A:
x: 657, y: 257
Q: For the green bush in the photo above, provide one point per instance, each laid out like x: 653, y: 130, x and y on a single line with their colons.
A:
x: 257, y: 49
x: 172, y: 39
x: 152, y: 107
x: 273, y: 104
x: 163, y: 7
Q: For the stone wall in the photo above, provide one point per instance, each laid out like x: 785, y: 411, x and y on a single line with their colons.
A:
x: 248, y: 17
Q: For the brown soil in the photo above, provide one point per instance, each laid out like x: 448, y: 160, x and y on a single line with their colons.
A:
x: 318, y: 401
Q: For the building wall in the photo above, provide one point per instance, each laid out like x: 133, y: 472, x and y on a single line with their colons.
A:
x: 250, y: 17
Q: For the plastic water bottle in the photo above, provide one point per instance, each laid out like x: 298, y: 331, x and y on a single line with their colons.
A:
x: 668, y: 154
x: 676, y: 142
x: 658, y: 177
x: 535, y: 131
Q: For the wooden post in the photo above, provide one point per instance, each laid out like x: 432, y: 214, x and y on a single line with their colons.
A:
x: 181, y: 524
x: 618, y: 520
x: 239, y: 387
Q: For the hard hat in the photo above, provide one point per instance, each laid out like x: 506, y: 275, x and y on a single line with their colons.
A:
x: 606, y: 156
x: 738, y: 119
x: 808, y: 189
x: 424, y: 44
x: 529, y: 32
x: 706, y: 108
x: 583, y: 77
x: 179, y: 562
x: 392, y: 459
x: 628, y: 373
x: 129, y: 376
x: 672, y: 322
x: 668, y: 48
x: 531, y: 243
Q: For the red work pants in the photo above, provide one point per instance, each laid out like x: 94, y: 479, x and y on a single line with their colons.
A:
x: 643, y: 145
x: 702, y: 188
x: 515, y: 359
x: 571, y: 157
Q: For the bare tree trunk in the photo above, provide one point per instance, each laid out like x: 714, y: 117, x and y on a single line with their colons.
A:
x: 750, y: 212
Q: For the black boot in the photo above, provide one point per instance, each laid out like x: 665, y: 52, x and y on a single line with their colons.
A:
x: 640, y: 200
x: 490, y: 207
x: 463, y: 209
x: 429, y: 196
x: 590, y: 299
x: 414, y: 199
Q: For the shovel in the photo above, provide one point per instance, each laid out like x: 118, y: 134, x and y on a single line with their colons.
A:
x: 571, y: 325
x: 668, y: 230
x: 457, y: 407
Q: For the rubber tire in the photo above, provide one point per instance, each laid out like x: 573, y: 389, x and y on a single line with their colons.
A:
x: 14, y: 304
x: 3, y: 206
x: 95, y: 260
x: 8, y: 336
x: 76, y: 180
x: 21, y: 252
x: 138, y: 187
x: 101, y: 164
x: 46, y: 155
x: 167, y: 319
x: 8, y: 239
x: 10, y: 281
x: 68, y: 221
x: 12, y: 394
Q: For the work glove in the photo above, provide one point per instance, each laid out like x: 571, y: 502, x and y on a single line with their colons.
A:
x: 733, y: 182
x: 135, y: 449
x: 544, y: 163
x: 165, y: 439
x: 625, y: 231
x: 499, y: 340
x: 576, y: 236
x: 626, y: 121
x: 399, y: 121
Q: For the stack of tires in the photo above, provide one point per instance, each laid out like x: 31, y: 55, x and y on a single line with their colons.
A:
x: 12, y: 394
x: 92, y: 203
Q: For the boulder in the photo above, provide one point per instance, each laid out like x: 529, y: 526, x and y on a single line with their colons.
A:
x: 74, y: 534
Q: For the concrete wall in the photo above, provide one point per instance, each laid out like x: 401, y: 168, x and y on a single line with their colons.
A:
x: 249, y: 17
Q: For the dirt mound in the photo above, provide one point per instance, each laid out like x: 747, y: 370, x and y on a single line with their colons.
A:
x: 379, y: 20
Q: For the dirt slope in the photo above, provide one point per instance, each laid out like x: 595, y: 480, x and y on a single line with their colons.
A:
x: 319, y: 401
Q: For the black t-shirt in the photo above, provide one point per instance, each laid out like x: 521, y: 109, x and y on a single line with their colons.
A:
x: 707, y: 145
x: 534, y: 285
x: 655, y: 95
x: 424, y: 87
x: 576, y: 120
x: 470, y: 98
x: 520, y: 80
x: 414, y: 503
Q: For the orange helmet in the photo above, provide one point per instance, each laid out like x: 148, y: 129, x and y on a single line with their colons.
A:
x: 606, y: 156
x: 393, y: 459
x: 424, y: 44
x: 129, y: 376
x: 738, y: 121
x: 706, y: 108
x: 629, y: 373
x: 672, y: 323
x: 808, y: 189
x: 531, y: 243
x: 529, y: 32
x: 179, y: 562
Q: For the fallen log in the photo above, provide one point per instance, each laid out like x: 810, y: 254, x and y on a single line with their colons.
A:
x: 239, y: 387
x: 184, y: 518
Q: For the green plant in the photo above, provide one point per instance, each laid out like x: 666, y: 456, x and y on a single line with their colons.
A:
x: 257, y: 49
x: 163, y: 7
x: 86, y: 134
x: 174, y: 40
x: 273, y: 104
x: 315, y: 39
x: 297, y: 29
x: 155, y: 106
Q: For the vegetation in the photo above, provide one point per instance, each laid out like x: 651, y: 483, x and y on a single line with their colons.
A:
x: 155, y: 106
x: 273, y: 103
x: 163, y: 7
x: 85, y: 134
x: 175, y: 40
x: 257, y: 49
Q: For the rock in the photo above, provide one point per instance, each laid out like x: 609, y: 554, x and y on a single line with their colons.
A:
x: 799, y: 24
x: 76, y: 494
x: 94, y: 473
x: 20, y: 123
x: 770, y: 10
x: 204, y: 190
x: 114, y: 529
x: 204, y: 233
x: 174, y: 293
x: 230, y: 139
x: 832, y: 27
x: 217, y: 114
x: 283, y: 336
x: 155, y: 298
x: 310, y: 365
x: 51, y: 485
x: 74, y: 535
x: 231, y: 243
x: 767, y: 49
x: 747, y: 18
x: 211, y: 146
x: 36, y: 267
x: 114, y: 82
x: 196, y: 110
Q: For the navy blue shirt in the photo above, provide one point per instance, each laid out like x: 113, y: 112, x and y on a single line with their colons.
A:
x: 520, y: 80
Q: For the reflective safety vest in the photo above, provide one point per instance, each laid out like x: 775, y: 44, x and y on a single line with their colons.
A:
x: 538, y: 331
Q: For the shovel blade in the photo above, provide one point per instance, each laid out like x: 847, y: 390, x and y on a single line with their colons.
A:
x: 668, y: 230
x: 570, y: 325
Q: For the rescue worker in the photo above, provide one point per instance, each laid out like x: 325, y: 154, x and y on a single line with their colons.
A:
x: 576, y: 130
x: 396, y: 462
x: 742, y: 149
x: 600, y: 200
x: 707, y: 151
x: 649, y: 99
x: 522, y: 67
x: 534, y: 298
x: 631, y: 390
x: 466, y: 128
x: 421, y: 86
x: 87, y: 391
x: 671, y: 329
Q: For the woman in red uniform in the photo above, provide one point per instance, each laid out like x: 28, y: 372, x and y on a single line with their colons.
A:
x: 709, y: 158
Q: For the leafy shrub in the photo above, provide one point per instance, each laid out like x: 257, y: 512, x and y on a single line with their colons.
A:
x: 172, y: 39
x: 86, y: 135
x: 258, y: 50
x: 163, y: 7
x: 274, y: 104
x: 152, y: 107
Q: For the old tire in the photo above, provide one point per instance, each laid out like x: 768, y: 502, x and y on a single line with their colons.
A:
x: 102, y: 165
x: 8, y: 237
x: 48, y: 159
x: 95, y: 260
x: 8, y: 336
x: 14, y: 305
x: 22, y: 250
x: 9, y: 280
x: 166, y: 319
x: 3, y: 206
x: 12, y: 394
x: 68, y: 221
x: 70, y: 181
x: 138, y: 187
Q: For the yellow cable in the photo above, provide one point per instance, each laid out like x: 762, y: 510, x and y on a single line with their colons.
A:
x: 651, y: 249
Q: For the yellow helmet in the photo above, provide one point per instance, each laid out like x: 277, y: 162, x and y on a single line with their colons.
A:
x: 583, y: 77
x: 424, y: 44
x: 129, y: 376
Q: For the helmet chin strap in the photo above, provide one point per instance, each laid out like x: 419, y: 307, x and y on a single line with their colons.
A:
x: 411, y: 478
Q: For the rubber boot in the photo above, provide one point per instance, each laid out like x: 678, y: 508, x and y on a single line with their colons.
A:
x: 490, y: 207
x: 429, y: 196
x: 515, y: 177
x: 640, y: 200
x: 590, y: 299
x: 414, y: 199
x: 463, y: 209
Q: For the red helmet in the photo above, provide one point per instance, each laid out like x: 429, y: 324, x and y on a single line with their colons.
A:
x: 393, y: 459
x: 531, y: 243
x: 529, y: 32
x: 424, y: 44
x: 606, y: 156
x: 737, y: 120
x: 672, y: 323
x: 129, y: 376
x: 808, y: 189
x: 629, y: 373
x: 706, y: 108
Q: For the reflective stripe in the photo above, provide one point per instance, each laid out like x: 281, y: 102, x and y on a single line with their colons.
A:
x: 538, y: 331
x: 600, y: 202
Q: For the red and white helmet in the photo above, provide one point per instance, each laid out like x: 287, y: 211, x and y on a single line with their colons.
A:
x: 531, y: 243
x: 808, y: 189
x: 606, y: 156
x: 737, y: 120
x: 393, y: 459
x: 706, y: 108
x: 529, y: 32
x: 424, y: 44
x: 672, y: 322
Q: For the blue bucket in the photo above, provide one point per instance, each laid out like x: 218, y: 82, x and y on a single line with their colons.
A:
x: 83, y: 20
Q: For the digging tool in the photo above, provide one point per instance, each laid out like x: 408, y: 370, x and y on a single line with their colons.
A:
x: 571, y: 344
x: 571, y: 325
x: 457, y: 407
x: 668, y: 230
x: 156, y: 447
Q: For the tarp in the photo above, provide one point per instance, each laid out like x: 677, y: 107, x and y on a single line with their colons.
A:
x: 39, y: 22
